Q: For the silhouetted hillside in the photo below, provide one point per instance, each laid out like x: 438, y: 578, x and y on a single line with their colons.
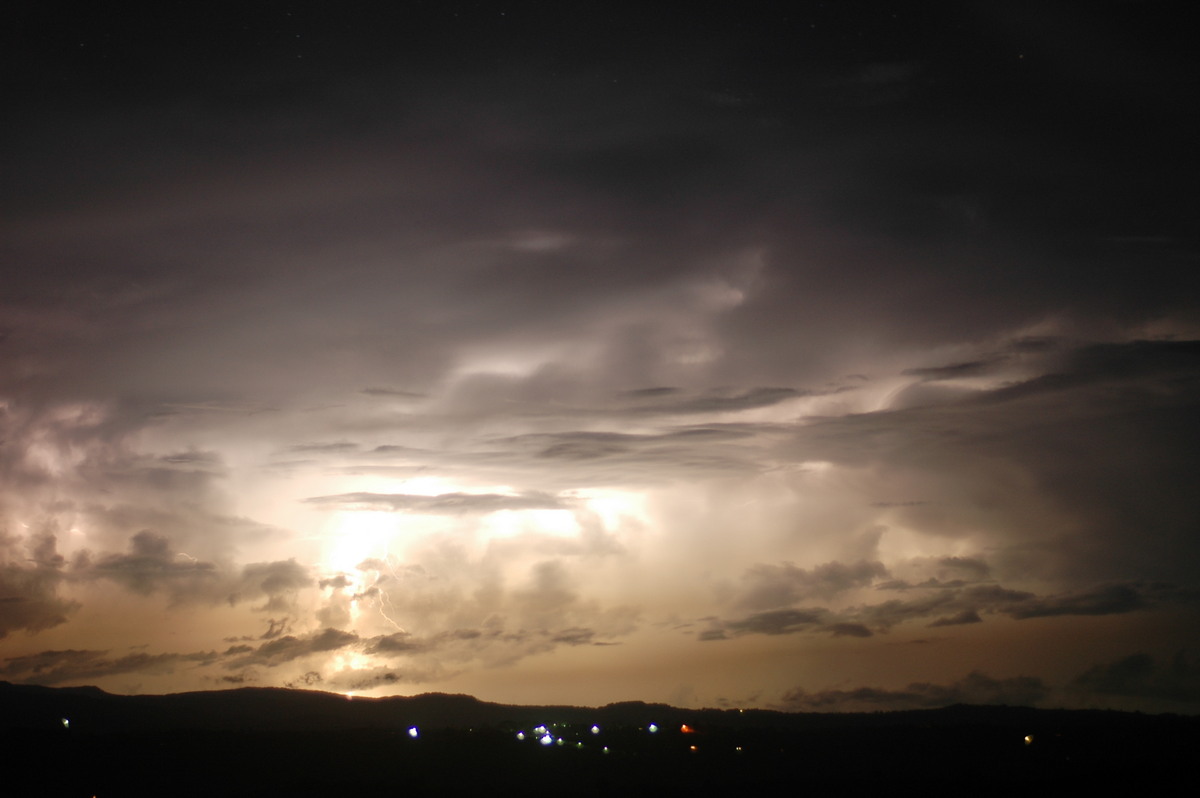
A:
x: 264, y: 741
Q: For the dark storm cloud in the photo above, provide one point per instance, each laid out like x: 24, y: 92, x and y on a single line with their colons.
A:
x: 29, y: 599
x: 718, y: 402
x: 209, y: 460
x: 56, y: 667
x: 398, y: 643
x: 392, y: 392
x: 847, y: 630
x: 1108, y: 438
x: 151, y: 565
x: 974, y: 688
x: 581, y: 445
x: 275, y: 628
x: 338, y: 447
x: 593, y: 457
x: 493, y: 645
x: 574, y: 636
x: 970, y: 566
x: 443, y: 504
x: 371, y: 678
x: 1142, y: 676
x: 946, y: 604
x: 588, y: 445
x: 285, y: 649
x: 31, y: 574
x: 768, y: 586
x: 1108, y: 600
x: 277, y: 581
x: 1134, y: 366
x: 614, y: 458
x: 780, y: 622
x: 963, y: 617
x: 403, y: 643
x: 954, y: 370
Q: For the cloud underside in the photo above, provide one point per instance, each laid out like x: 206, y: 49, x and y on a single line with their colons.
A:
x: 948, y: 606
x: 396, y: 658
x: 1097, y: 391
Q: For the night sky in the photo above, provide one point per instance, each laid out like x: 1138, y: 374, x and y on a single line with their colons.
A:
x: 842, y: 357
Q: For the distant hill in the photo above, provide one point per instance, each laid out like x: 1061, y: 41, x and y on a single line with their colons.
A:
x: 266, y: 741
x: 91, y: 710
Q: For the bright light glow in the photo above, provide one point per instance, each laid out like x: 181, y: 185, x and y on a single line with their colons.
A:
x: 686, y: 729
x: 353, y: 536
x: 66, y: 723
x: 615, y: 506
x: 1028, y: 739
x: 540, y: 729
x: 595, y: 730
x: 412, y: 732
x: 507, y: 361
x: 520, y: 735
x: 546, y: 739
x: 653, y: 728
x: 510, y: 523
x: 559, y: 741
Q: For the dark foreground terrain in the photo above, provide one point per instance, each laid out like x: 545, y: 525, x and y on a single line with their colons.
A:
x: 296, y: 743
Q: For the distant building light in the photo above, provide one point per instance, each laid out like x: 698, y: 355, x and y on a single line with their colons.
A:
x: 1028, y: 739
x: 413, y: 732
x: 559, y: 741
x: 540, y: 730
x: 595, y: 730
x: 520, y: 735
x: 686, y: 729
x: 66, y: 722
x: 653, y: 727
x: 546, y: 739
x: 606, y: 749
x: 692, y: 748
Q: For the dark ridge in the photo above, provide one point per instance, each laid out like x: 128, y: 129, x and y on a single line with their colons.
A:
x: 269, y: 741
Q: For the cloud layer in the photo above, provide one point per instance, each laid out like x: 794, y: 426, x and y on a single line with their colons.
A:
x: 514, y: 364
